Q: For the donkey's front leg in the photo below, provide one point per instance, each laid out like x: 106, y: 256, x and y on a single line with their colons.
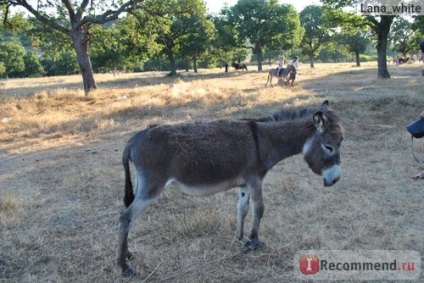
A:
x: 242, y: 209
x: 258, y: 212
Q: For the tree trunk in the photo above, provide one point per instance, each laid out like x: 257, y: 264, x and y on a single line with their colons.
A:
x: 172, y: 64
x: 80, y: 44
x: 358, y: 62
x: 258, y: 52
x: 311, y: 60
x: 383, y: 30
x: 195, y: 63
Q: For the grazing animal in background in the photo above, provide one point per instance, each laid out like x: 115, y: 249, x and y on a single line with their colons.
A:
x: 202, y: 159
x: 403, y: 60
x: 239, y: 66
x: 282, y: 78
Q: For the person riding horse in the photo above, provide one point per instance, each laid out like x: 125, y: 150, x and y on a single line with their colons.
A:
x: 280, y: 67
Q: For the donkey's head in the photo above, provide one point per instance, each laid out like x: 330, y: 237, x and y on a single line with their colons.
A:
x: 322, y: 150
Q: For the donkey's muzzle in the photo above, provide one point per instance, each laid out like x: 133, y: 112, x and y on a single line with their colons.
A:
x: 330, y: 183
x: 331, y: 175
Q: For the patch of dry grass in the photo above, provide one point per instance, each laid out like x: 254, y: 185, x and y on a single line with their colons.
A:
x: 61, y: 180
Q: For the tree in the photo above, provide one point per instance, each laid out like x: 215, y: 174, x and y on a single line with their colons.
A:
x: 356, y: 43
x: 379, y: 25
x: 75, y: 21
x: 112, y: 48
x: 196, y: 43
x: 175, y: 21
x: 333, y: 51
x: 402, y: 36
x: 316, y: 33
x: 33, y: 67
x: 265, y: 24
x: 12, y: 57
x: 272, y: 55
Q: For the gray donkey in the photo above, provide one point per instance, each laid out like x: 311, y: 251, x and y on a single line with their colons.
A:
x: 206, y: 158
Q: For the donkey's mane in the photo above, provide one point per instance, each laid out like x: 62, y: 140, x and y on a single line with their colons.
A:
x: 290, y: 114
x: 287, y: 114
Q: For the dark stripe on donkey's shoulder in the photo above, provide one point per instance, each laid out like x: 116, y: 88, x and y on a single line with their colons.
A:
x: 254, y: 128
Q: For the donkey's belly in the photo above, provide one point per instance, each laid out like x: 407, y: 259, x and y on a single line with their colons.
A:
x: 206, y: 189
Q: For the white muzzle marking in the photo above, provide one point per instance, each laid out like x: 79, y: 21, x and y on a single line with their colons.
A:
x: 331, y: 175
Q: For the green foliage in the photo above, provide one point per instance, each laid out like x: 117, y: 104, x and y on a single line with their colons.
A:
x: 379, y: 25
x: 111, y: 48
x: 33, y: 66
x: 2, y: 69
x: 265, y: 24
x: 49, y: 40
x: 332, y: 51
x: 368, y: 58
x: 316, y: 31
x: 418, y: 24
x: 402, y: 36
x: 197, y: 42
x: 74, y: 20
x: 62, y: 63
x: 12, y: 57
x: 156, y: 64
x: 271, y: 56
x: 356, y: 43
x: 179, y: 28
x: 224, y: 43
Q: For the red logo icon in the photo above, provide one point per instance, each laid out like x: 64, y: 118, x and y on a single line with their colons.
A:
x: 309, y: 264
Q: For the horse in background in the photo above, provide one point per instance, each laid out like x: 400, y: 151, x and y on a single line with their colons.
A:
x: 238, y: 66
x: 403, y: 60
x: 283, y: 76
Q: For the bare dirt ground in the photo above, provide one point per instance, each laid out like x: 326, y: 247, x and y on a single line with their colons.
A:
x: 61, y: 179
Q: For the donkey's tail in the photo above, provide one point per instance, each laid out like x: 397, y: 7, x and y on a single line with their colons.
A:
x: 129, y: 194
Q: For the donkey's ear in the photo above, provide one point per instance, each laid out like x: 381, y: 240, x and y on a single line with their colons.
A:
x: 325, y: 104
x: 319, y: 120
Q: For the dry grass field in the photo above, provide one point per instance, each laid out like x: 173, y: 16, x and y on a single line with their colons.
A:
x: 62, y: 182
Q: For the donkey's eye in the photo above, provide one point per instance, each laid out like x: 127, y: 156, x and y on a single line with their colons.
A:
x: 329, y: 148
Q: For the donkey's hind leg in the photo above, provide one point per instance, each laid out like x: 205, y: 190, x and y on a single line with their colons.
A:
x: 126, y: 220
x: 145, y: 194
x: 258, y: 208
x: 242, y: 209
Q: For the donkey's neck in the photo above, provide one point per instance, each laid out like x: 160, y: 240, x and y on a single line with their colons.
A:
x: 284, y: 139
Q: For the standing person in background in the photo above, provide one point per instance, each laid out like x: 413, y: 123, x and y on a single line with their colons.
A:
x: 226, y: 67
x: 295, y: 63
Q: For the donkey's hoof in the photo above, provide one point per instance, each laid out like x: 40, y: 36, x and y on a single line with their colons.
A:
x: 252, y: 245
x: 128, y: 272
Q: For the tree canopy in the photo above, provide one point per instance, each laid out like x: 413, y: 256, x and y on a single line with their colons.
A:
x: 379, y: 25
x: 262, y: 24
x: 316, y: 31
x: 75, y: 20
